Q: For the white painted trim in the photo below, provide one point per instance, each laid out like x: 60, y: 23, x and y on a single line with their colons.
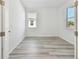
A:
x: 16, y: 46
x: 53, y: 36
x: 66, y: 40
x: 42, y: 36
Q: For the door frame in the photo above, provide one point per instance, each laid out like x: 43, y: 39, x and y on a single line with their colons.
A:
x: 4, y: 35
x: 76, y: 32
x: 5, y: 54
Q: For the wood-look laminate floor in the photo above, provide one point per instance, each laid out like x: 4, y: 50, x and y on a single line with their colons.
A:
x: 43, y: 48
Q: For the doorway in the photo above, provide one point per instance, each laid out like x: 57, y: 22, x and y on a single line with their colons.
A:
x: 51, y: 25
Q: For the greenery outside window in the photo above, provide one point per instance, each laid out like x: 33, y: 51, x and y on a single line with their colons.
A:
x: 71, y: 18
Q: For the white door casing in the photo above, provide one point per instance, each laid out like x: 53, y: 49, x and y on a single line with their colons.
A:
x: 4, y: 28
x: 1, y: 29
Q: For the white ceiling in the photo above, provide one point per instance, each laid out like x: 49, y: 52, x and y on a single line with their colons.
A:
x: 43, y: 3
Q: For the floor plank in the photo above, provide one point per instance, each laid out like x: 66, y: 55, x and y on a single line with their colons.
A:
x: 43, y: 48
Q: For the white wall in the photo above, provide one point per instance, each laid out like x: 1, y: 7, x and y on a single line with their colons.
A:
x: 51, y: 22
x: 65, y: 33
x: 47, y: 22
x: 17, y: 23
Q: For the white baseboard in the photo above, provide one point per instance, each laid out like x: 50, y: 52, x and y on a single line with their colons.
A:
x: 16, y: 45
x: 54, y: 36
x: 39, y: 36
x: 66, y: 40
x: 42, y: 36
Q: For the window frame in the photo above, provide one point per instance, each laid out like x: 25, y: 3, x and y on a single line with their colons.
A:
x: 70, y: 17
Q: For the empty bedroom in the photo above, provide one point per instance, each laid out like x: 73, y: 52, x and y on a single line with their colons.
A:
x: 42, y: 29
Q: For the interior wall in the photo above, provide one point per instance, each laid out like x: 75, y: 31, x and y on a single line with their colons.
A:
x: 51, y: 22
x: 47, y: 22
x: 65, y: 33
x: 17, y: 23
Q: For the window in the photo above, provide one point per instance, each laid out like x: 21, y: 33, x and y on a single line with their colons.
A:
x: 71, y: 19
x: 32, y: 17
